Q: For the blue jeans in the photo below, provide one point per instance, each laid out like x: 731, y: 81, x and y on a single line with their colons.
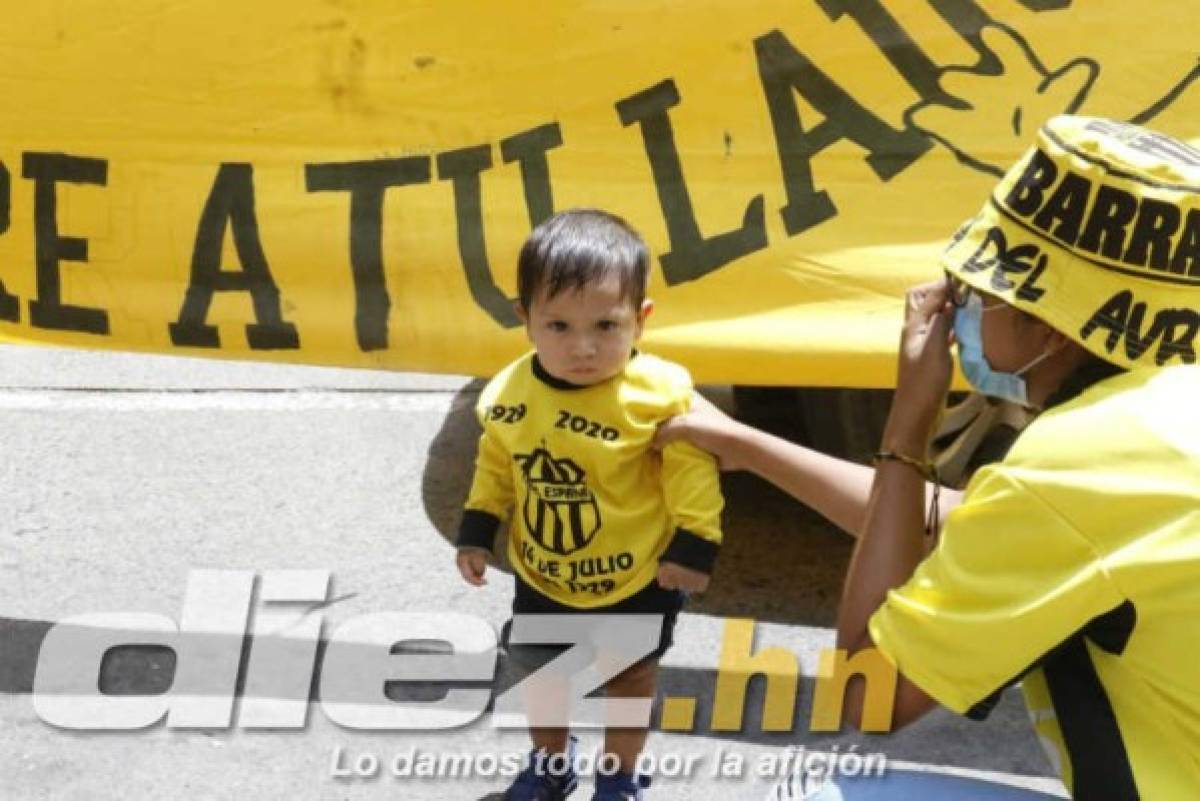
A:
x: 901, y: 785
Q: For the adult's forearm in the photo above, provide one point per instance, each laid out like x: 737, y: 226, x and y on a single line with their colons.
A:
x: 891, y: 545
x: 838, y: 489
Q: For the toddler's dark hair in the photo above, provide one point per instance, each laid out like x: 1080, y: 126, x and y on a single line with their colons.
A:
x: 579, y: 247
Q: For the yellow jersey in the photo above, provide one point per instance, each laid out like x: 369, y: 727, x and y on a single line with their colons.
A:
x: 1075, y: 564
x: 593, y: 507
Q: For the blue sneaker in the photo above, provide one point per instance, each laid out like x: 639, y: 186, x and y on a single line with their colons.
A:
x: 542, y: 781
x: 620, y: 787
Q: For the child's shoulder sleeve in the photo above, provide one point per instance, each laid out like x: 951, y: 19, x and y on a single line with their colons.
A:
x: 659, y: 388
x: 509, y: 384
x: 690, y: 479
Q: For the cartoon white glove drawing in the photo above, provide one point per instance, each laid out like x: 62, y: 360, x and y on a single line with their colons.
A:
x: 1003, y: 110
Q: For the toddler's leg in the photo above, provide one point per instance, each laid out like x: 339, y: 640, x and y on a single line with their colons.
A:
x: 638, y: 681
x: 552, y: 741
x: 545, y: 702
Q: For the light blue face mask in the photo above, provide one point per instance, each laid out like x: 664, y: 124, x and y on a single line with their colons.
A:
x: 968, y: 330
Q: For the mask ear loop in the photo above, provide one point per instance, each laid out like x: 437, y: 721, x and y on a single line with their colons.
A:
x: 1038, y: 360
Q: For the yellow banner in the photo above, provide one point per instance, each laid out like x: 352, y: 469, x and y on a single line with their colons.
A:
x: 348, y: 183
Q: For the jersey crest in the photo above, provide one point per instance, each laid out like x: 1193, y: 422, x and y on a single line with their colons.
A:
x: 560, y: 511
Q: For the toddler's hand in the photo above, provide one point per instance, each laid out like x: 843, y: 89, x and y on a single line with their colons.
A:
x: 677, y: 577
x: 472, y: 563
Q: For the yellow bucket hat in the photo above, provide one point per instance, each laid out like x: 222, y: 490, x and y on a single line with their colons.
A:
x: 1096, y: 231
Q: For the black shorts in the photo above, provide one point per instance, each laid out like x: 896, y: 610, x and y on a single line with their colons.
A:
x: 653, y: 599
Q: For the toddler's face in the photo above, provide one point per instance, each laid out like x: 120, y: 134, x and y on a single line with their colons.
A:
x: 585, y: 336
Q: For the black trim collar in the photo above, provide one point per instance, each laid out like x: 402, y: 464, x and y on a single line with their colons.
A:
x: 541, y: 374
x: 544, y: 376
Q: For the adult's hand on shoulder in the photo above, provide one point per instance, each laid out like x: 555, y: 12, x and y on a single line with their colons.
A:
x: 706, y: 427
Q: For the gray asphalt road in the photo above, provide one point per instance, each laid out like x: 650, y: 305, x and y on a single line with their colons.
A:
x: 124, y: 475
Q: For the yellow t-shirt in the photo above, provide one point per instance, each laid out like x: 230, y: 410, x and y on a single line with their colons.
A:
x: 1075, y: 563
x: 593, y: 507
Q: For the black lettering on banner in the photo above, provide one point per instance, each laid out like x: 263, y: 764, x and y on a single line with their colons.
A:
x: 463, y: 168
x: 1187, y: 251
x: 367, y: 182
x: 47, y: 170
x: 1026, y: 195
x: 1112, y: 213
x: 231, y: 202
x: 1065, y: 209
x: 1045, y: 5
x: 10, y: 305
x: 1150, y: 242
x: 528, y: 149
x: 897, y: 46
x: 1174, y: 330
x: 782, y: 68
x: 5, y: 198
x: 692, y: 255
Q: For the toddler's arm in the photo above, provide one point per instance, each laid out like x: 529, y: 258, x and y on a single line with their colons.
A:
x: 692, y: 491
x: 677, y: 577
x: 489, y: 501
x: 836, y: 488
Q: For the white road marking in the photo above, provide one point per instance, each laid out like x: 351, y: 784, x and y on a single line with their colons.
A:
x: 60, y: 400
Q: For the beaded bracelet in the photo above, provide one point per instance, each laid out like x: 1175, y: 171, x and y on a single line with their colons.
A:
x: 927, y: 470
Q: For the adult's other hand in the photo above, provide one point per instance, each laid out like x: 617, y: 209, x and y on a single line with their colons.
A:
x: 925, y: 368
